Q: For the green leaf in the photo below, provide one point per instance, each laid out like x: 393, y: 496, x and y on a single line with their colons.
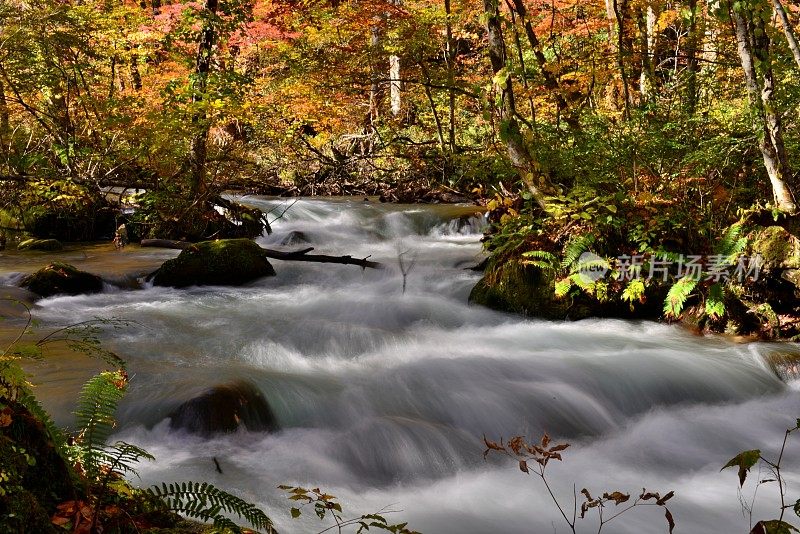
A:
x: 715, y: 307
x: 744, y: 461
x: 295, y: 513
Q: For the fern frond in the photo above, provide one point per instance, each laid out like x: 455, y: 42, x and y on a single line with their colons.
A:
x: 97, y: 404
x: 540, y: 259
x: 715, y: 305
x: 634, y: 291
x: 576, y: 246
x: 731, y: 244
x: 563, y: 287
x: 677, y: 295
x: 206, y: 502
x: 120, y: 458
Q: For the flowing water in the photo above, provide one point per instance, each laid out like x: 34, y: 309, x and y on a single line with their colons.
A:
x: 383, y: 396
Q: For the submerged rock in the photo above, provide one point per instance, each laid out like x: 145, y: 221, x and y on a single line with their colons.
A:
x: 227, y: 262
x: 785, y: 364
x: 295, y: 237
x: 61, y: 278
x: 40, y: 244
x: 224, y: 409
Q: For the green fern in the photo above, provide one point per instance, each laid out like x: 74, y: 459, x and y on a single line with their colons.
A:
x: 541, y: 259
x: 576, y: 246
x: 676, y: 298
x: 634, y: 291
x: 732, y: 243
x: 715, y: 305
x: 207, y: 503
x: 97, y: 404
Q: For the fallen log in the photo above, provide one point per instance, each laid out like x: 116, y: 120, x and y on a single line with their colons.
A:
x: 165, y: 243
x: 296, y: 255
x: 303, y: 255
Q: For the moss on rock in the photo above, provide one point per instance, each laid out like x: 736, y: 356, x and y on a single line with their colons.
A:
x: 36, y: 476
x: 62, y: 278
x: 777, y: 247
x: 40, y: 244
x: 518, y: 288
x: 228, y: 262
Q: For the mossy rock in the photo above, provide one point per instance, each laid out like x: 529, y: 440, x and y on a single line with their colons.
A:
x: 40, y: 244
x: 778, y: 248
x: 227, y: 262
x: 38, y: 478
x: 518, y: 288
x: 513, y: 287
x: 62, y: 279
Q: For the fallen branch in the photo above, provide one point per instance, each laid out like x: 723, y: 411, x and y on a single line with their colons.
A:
x: 165, y: 243
x: 296, y: 255
x: 303, y: 255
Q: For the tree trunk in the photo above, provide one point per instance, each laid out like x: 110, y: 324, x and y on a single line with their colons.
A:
x: 450, y: 55
x: 619, y: 15
x: 136, y: 77
x: 522, y: 67
x: 787, y: 30
x: 198, y: 151
x: 550, y: 81
x: 770, y: 139
x: 647, y: 20
x: 509, y: 130
x: 395, y: 98
x: 692, y: 65
x: 4, y: 115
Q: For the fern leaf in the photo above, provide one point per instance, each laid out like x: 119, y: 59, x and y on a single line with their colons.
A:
x: 576, y: 246
x: 677, y: 295
x: 731, y: 244
x: 97, y: 404
x: 715, y: 305
x: 207, y: 503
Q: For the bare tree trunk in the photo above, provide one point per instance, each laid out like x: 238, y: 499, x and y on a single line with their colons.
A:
x: 374, y: 89
x: 787, y: 30
x: 771, y: 139
x: 395, y: 99
x: 198, y: 151
x: 619, y: 15
x: 521, y: 159
x: 550, y: 81
x: 647, y: 21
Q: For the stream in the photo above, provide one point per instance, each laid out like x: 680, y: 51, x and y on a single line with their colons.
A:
x: 383, y: 396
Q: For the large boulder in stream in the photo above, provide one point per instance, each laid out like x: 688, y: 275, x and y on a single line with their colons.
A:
x: 224, y: 409
x: 226, y: 262
x: 62, y: 279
